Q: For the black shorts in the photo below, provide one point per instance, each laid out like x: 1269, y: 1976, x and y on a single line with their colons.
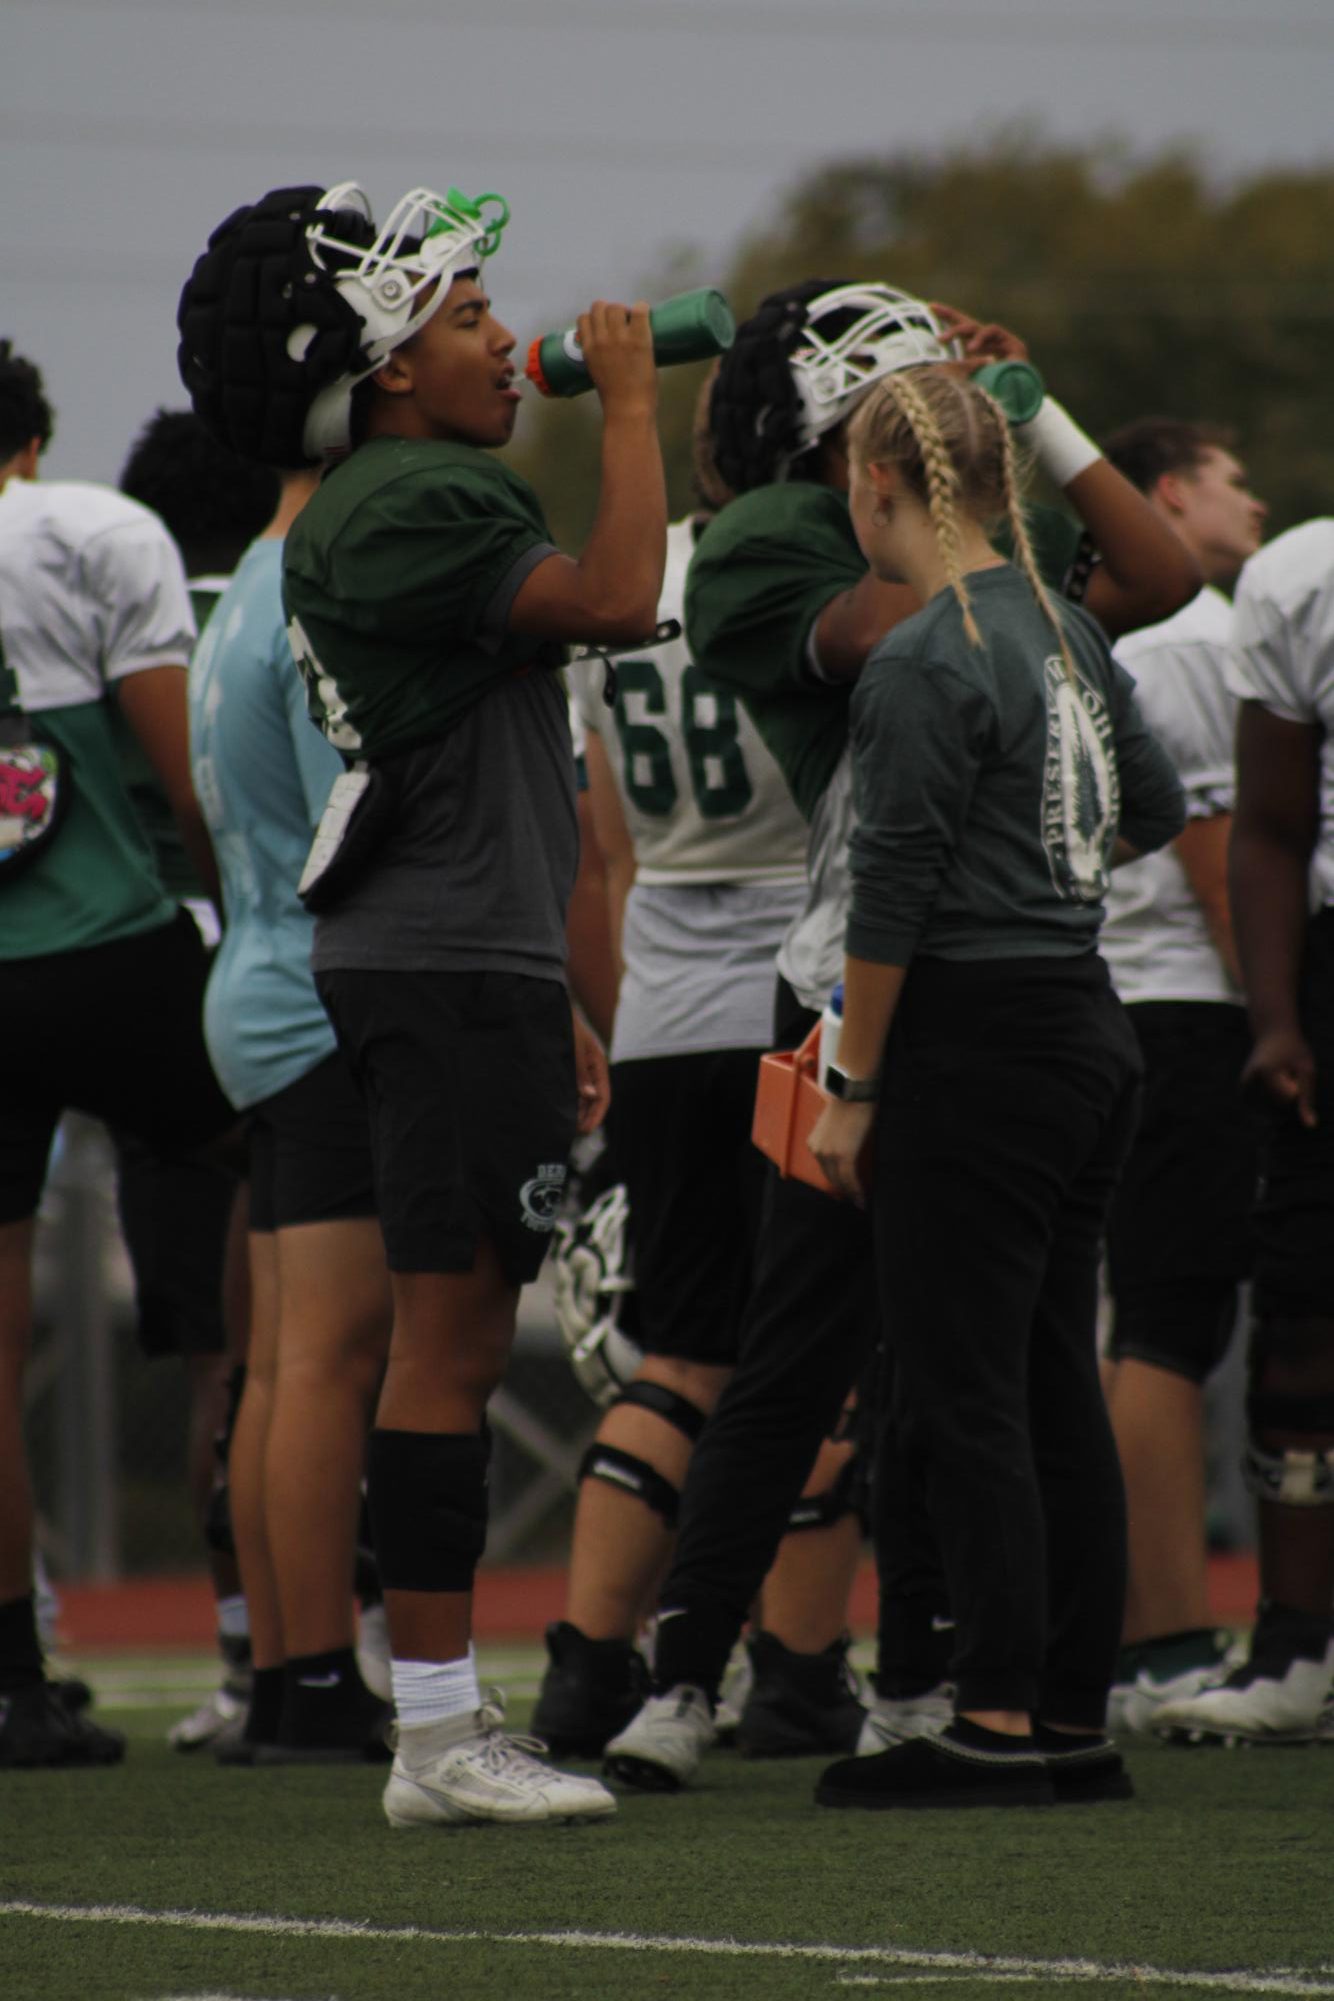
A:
x: 680, y: 1136
x: 114, y: 1031
x: 310, y: 1151
x: 1180, y: 1238
x: 175, y: 1215
x: 1294, y: 1265
x: 468, y: 1081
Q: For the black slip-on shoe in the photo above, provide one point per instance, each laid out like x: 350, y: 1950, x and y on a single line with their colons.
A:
x: 937, y: 1772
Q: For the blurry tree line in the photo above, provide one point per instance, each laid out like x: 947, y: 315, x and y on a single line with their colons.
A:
x: 1142, y: 287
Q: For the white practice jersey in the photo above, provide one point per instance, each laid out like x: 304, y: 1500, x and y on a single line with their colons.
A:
x: 1283, y: 654
x: 719, y: 846
x: 98, y: 591
x: 704, y: 800
x: 1154, y: 936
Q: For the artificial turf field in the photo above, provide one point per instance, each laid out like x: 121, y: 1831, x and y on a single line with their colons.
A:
x: 169, y: 1877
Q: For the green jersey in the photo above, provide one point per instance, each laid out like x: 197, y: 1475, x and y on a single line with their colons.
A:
x: 763, y: 572
x: 398, y: 577
x: 91, y: 592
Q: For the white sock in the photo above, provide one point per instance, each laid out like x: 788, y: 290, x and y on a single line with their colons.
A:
x: 431, y: 1691
x: 233, y: 1619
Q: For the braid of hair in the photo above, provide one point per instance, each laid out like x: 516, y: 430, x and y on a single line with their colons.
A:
x: 942, y: 490
x: 1023, y: 546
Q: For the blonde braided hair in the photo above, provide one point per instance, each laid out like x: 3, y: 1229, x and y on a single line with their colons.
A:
x: 951, y: 444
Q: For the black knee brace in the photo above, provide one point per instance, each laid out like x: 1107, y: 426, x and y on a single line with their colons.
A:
x: 664, y: 1403
x: 821, y: 1511
x: 427, y: 1495
x: 627, y: 1470
x: 1297, y: 1475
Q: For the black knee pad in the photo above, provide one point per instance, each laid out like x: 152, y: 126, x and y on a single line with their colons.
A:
x: 847, y: 1496
x: 632, y: 1475
x: 428, y: 1505
x: 664, y: 1403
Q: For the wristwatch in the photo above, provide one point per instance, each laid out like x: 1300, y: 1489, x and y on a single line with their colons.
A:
x: 850, y: 1090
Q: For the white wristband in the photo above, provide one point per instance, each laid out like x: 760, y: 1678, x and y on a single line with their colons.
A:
x: 1057, y: 443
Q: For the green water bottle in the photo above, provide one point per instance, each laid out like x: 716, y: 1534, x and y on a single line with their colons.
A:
x: 1016, y: 386
x: 691, y: 327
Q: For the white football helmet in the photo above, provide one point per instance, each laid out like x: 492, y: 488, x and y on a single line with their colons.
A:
x: 591, y: 1279
x: 853, y: 337
x: 394, y: 283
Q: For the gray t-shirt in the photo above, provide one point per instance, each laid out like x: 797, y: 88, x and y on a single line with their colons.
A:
x: 990, y: 786
x: 476, y: 869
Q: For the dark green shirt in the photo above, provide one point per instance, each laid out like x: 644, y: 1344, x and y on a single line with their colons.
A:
x: 990, y: 788
x: 398, y: 576
x: 762, y: 573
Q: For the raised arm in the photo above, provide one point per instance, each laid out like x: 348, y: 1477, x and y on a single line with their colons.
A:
x: 609, y: 594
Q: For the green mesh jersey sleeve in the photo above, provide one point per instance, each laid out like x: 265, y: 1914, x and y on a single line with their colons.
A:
x: 761, y: 575
x: 398, y: 578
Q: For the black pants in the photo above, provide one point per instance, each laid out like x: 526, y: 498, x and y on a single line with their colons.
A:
x: 807, y: 1331
x: 1008, y: 1107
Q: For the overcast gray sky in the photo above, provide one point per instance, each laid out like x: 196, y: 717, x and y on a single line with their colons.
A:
x: 615, y: 128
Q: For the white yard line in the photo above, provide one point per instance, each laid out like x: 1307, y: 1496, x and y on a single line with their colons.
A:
x: 1094, y: 1972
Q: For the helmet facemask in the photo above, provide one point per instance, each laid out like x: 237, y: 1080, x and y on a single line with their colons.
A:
x: 394, y: 283
x: 854, y: 337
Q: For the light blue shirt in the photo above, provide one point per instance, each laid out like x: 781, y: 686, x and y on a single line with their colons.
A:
x: 263, y: 772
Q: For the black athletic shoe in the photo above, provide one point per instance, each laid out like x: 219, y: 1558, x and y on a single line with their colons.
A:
x: 937, y: 1772
x: 800, y: 1705
x: 38, y: 1728
x: 591, y: 1690
x: 73, y: 1691
x: 1088, y: 1772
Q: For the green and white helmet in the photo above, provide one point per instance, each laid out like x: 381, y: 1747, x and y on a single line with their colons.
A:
x: 854, y: 336
x: 394, y: 282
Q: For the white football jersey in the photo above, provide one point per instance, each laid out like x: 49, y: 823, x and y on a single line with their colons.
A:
x: 704, y: 801
x: 1154, y: 936
x: 1283, y: 654
x: 91, y: 589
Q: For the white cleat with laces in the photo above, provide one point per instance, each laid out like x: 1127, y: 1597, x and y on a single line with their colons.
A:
x: 467, y: 1768
x: 659, y: 1750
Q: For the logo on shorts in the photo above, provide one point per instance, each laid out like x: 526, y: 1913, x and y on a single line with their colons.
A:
x: 540, y: 1197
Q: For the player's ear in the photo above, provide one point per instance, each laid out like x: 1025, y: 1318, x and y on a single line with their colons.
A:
x: 395, y: 374
x: 1168, y: 493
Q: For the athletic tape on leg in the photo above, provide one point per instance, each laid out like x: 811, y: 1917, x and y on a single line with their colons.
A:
x: 632, y: 1475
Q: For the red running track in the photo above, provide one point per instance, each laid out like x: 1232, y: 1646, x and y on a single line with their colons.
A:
x: 177, y: 1612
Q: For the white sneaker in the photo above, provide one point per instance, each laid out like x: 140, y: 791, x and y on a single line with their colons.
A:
x: 218, y: 1721
x: 373, y: 1652
x: 889, y: 1722
x: 660, y: 1749
x: 738, y: 1680
x: 1253, y: 1707
x: 1134, y: 1707
x: 468, y: 1769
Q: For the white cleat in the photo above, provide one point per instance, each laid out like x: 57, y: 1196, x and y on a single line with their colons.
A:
x: 660, y: 1749
x: 738, y: 1680
x: 217, y: 1722
x: 1286, y: 1706
x: 468, y: 1769
x: 1133, y: 1707
x: 889, y: 1722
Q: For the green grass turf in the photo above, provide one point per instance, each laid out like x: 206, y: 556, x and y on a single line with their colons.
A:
x: 1225, y: 1860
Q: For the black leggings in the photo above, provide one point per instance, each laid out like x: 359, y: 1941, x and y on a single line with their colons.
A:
x: 808, y: 1329
x: 1009, y: 1104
